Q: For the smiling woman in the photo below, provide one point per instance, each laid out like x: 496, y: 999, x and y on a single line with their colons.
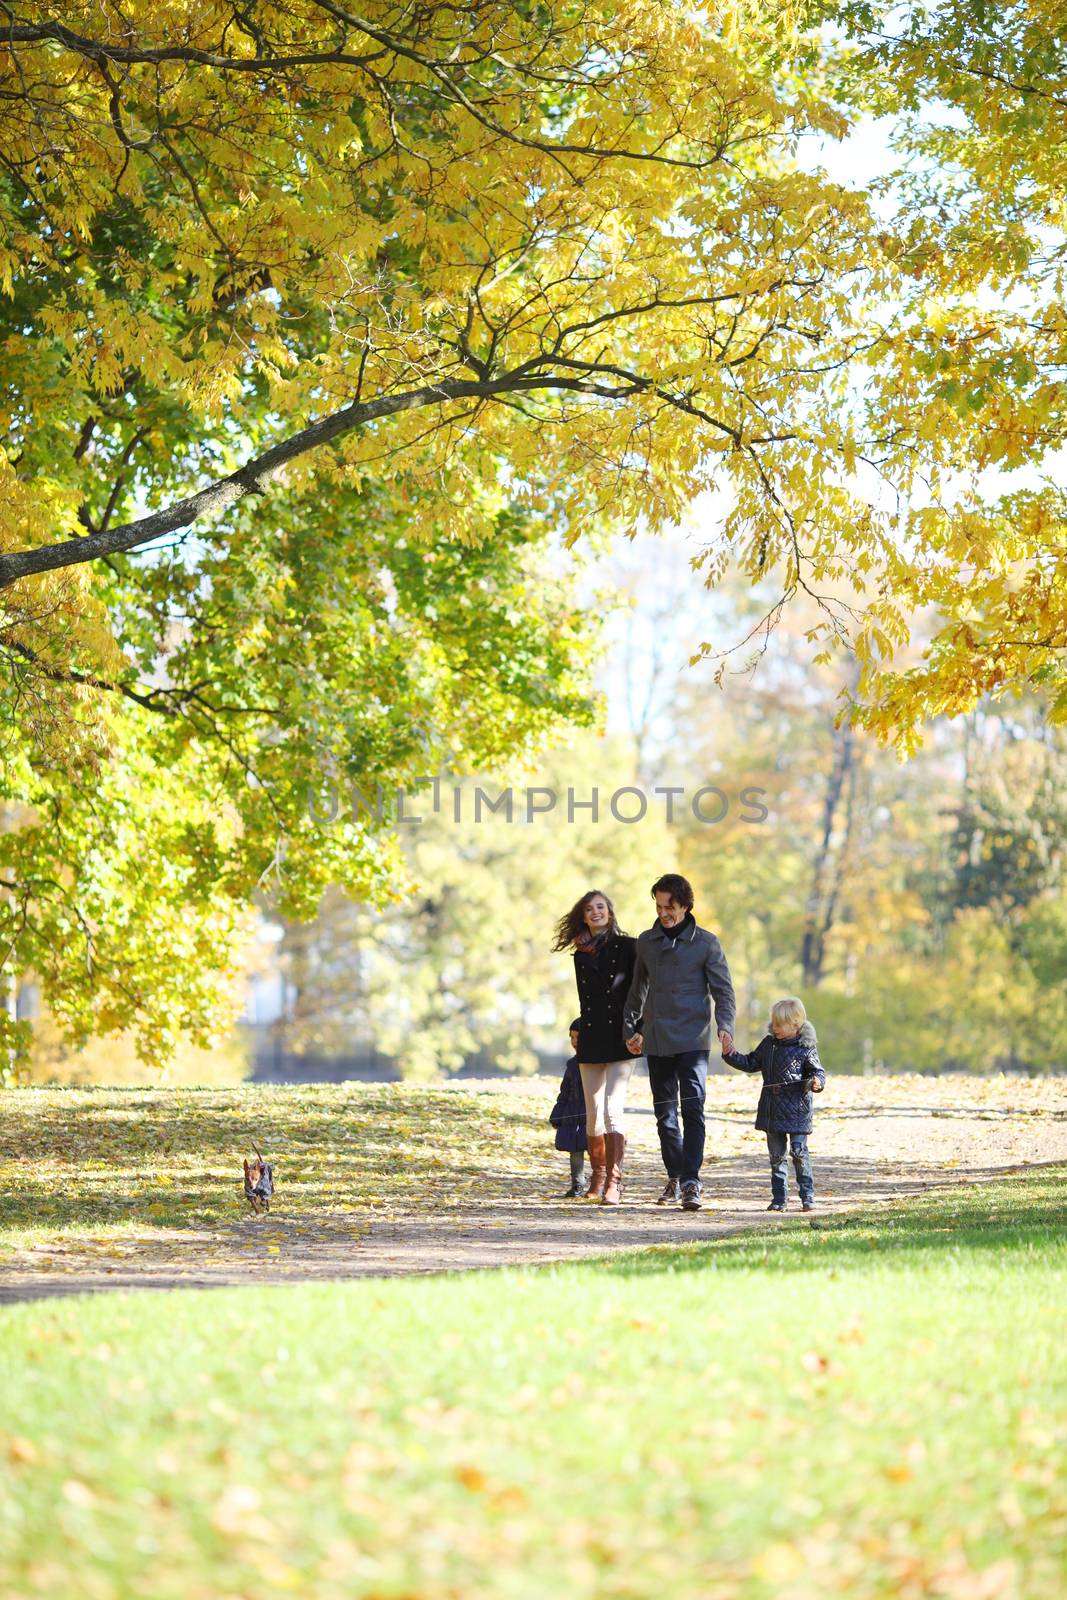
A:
x: 603, y: 966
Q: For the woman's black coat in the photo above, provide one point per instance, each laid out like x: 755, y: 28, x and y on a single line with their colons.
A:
x: 603, y: 984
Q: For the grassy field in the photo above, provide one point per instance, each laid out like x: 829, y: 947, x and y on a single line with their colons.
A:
x: 111, y: 1162
x: 115, y: 1160
x: 875, y: 1407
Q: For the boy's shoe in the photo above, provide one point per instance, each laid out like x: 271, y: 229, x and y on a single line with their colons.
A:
x: 670, y: 1195
x: 777, y: 1205
x: 809, y: 1205
x: 691, y: 1196
x: 576, y: 1190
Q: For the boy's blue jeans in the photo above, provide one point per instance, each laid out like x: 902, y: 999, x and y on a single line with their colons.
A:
x: 776, y: 1144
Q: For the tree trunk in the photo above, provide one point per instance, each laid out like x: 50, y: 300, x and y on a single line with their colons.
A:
x: 831, y: 858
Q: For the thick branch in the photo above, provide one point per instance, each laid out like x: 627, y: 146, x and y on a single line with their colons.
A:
x: 250, y: 479
x: 139, y: 55
x: 254, y: 477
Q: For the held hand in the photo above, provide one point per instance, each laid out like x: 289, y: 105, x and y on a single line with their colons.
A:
x: 816, y: 1086
x: 726, y: 1040
x: 635, y: 1043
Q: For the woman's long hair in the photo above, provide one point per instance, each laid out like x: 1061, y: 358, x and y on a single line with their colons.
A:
x: 571, y: 928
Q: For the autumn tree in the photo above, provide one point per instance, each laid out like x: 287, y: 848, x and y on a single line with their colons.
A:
x: 1010, y: 819
x: 148, y: 823
x: 971, y: 374
x: 568, y: 239
x: 306, y: 315
x: 286, y: 290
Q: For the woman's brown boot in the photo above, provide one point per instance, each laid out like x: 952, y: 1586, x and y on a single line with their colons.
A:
x: 612, y: 1195
x: 598, y: 1160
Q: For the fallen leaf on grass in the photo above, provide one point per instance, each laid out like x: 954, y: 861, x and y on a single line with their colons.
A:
x: 471, y: 1478
x: 778, y: 1564
x: 77, y: 1493
x: 236, y: 1512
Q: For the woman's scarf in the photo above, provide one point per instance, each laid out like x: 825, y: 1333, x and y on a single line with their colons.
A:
x: 591, y: 944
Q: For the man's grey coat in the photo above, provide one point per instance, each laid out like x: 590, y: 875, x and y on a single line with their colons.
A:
x: 673, y: 985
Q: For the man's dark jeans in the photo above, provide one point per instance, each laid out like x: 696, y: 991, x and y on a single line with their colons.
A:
x: 681, y: 1077
x: 776, y: 1143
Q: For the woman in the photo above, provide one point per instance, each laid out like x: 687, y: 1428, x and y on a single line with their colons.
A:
x: 603, y: 966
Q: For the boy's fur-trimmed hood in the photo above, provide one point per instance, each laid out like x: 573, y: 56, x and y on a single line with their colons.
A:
x: 807, y: 1035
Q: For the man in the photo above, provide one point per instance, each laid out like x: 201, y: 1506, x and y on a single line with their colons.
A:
x: 679, y: 968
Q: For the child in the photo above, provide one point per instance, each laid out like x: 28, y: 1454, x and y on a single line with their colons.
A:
x: 568, y: 1118
x: 788, y: 1057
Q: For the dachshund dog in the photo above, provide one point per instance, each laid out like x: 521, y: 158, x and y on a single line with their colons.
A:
x: 259, y: 1182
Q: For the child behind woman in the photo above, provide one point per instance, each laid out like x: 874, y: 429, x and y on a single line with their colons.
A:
x: 568, y: 1118
x: 788, y: 1058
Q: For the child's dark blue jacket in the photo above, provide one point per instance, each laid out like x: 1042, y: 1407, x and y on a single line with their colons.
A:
x: 789, y: 1067
x: 568, y: 1113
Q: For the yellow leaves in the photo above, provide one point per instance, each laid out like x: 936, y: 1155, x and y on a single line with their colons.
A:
x: 272, y: 253
x: 905, y: 1469
x: 281, y: 252
x: 472, y: 1478
x: 9, y: 264
x: 34, y: 513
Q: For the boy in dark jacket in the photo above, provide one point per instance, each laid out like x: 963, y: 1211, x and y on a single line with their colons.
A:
x: 568, y: 1118
x: 788, y: 1058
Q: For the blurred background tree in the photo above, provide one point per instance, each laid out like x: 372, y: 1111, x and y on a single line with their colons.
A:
x: 859, y: 891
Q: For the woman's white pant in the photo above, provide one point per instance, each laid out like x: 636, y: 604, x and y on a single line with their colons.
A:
x: 604, y: 1083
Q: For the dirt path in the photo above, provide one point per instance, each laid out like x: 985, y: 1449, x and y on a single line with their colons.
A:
x: 874, y: 1143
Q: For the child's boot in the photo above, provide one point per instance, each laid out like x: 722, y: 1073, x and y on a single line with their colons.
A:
x: 577, y: 1188
x: 598, y: 1161
x: 612, y: 1195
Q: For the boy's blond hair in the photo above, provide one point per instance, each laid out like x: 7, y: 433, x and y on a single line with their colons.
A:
x: 788, y: 1014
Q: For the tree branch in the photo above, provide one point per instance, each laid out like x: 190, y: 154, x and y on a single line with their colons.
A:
x: 254, y: 477
x: 445, y: 72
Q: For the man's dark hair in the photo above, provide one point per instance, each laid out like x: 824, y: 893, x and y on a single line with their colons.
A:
x: 679, y: 889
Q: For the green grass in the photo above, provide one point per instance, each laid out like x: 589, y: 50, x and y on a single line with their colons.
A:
x: 108, y: 1161
x: 872, y: 1408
